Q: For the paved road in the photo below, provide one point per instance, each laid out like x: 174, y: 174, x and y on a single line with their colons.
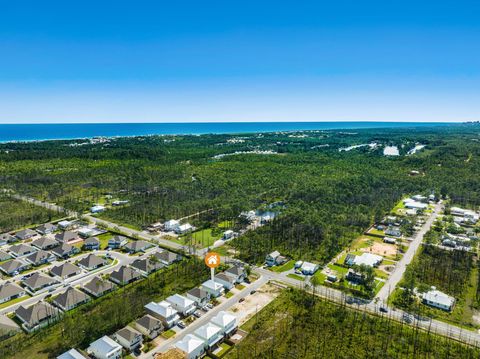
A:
x: 85, y: 277
x: 397, y: 274
x: 337, y: 296
x: 89, y: 217
x: 328, y: 293
x: 135, y: 233
x: 230, y: 302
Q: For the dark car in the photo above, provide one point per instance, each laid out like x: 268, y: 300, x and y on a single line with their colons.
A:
x: 383, y: 309
x: 253, y: 292
x: 241, y: 300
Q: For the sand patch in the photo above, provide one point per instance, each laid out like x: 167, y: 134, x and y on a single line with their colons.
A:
x: 382, y: 249
x: 255, y: 302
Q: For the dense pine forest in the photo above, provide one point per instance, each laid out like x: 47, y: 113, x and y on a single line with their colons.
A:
x: 79, y: 327
x: 297, y: 325
x: 331, y: 196
x: 17, y: 214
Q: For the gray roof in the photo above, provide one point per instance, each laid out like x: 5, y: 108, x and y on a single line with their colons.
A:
x: 13, y: 265
x: 44, y: 242
x: 198, y: 293
x: 21, y: 249
x: 92, y: 240
x: 148, y: 322
x: 138, y: 245
x: 26, y: 233
x: 7, y: 326
x: 71, y: 297
x: 36, y: 313
x: 8, y: 290
x: 147, y: 265
x: 66, y: 236
x: 225, y: 278
x: 125, y: 274
x: 38, y: 280
x: 46, y: 227
x: 65, y: 269
x: 99, y: 286
x: 39, y: 256
x: 236, y: 270
x: 128, y: 334
x: 7, y: 237
x: 63, y: 249
x: 117, y: 239
x: 166, y: 256
x: 4, y: 256
x: 92, y: 261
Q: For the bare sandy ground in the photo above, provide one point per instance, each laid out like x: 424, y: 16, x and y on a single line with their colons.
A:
x: 255, y: 302
x: 383, y: 249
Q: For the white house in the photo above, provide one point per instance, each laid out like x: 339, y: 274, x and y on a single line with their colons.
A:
x: 171, y: 225
x: 210, y: 333
x: 389, y: 240
x: 97, y: 209
x: 214, y: 288
x: 71, y: 354
x: 437, y: 299
x: 229, y: 234
x: 105, y: 348
x: 368, y: 259
x: 411, y: 203
x: 182, y: 304
x: 163, y: 311
x: 308, y: 268
x: 184, y: 228
x: 192, y: 346
x: 226, y: 321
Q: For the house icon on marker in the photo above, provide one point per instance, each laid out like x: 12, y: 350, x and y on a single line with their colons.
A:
x: 212, y: 260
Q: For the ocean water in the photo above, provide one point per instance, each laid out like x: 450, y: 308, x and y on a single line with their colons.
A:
x: 36, y: 132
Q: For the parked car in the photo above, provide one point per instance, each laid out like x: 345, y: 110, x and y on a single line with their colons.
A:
x: 253, y: 292
x: 197, y: 314
x: 407, y: 318
x: 241, y: 300
x: 383, y: 309
x: 209, y: 306
x: 181, y: 325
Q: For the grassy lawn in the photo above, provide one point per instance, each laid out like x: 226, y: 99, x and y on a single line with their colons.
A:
x: 380, y: 273
x: 376, y: 232
x: 224, y: 348
x: 168, y: 334
x: 283, y: 268
x: 398, y: 206
x: 296, y: 276
x: 379, y: 286
x: 223, y: 250
x: 104, y: 239
x: 201, y: 239
x: 225, y: 225
x: 341, y: 271
x: 320, y: 276
x: 228, y: 295
x: 14, y: 301
x: 388, y: 262
x: 240, y: 286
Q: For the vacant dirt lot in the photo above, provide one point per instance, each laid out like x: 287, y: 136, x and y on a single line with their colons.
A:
x: 253, y: 303
x: 383, y: 249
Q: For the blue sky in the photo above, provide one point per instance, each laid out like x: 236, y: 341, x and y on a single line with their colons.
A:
x: 159, y: 61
